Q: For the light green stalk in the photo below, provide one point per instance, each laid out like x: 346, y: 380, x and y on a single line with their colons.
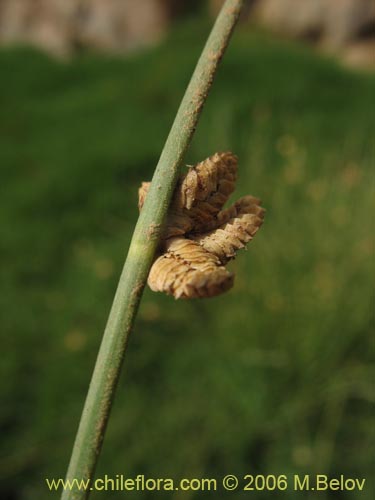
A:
x: 141, y: 253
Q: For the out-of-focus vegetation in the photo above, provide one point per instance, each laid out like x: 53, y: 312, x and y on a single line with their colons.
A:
x: 273, y: 377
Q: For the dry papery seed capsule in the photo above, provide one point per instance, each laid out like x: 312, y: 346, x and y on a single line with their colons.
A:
x: 216, y: 175
x: 200, y: 236
x: 199, y: 195
x: 241, y: 222
x: 186, y: 270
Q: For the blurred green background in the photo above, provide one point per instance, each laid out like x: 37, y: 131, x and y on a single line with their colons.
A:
x: 274, y: 377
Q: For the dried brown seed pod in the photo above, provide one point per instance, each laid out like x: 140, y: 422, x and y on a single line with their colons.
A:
x: 186, y: 270
x: 203, y: 191
x: 199, y: 195
x: 211, y: 181
x: 200, y: 236
x: 237, y: 226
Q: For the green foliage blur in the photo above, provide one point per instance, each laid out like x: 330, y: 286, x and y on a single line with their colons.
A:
x: 273, y: 377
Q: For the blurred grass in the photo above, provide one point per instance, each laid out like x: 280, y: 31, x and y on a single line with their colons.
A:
x: 274, y: 377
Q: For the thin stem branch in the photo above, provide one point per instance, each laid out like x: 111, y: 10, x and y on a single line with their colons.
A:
x: 141, y: 253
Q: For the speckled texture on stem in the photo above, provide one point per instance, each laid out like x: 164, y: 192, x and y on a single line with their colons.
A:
x: 145, y: 239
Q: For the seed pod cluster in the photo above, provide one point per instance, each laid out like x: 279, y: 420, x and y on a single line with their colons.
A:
x: 200, y: 236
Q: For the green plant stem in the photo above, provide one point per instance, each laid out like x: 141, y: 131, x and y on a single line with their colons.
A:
x: 141, y: 253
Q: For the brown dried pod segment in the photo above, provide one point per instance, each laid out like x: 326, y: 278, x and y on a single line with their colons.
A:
x: 205, y: 189
x: 200, y: 236
x: 186, y: 270
x: 199, y: 195
x: 237, y: 226
x: 211, y: 181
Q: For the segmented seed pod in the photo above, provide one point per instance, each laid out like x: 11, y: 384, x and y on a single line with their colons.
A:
x: 211, y: 181
x: 199, y: 195
x: 200, y: 236
x: 186, y: 270
x: 206, y: 188
x: 237, y: 226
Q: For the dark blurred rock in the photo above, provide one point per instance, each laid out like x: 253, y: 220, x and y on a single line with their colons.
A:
x: 360, y: 54
x: 36, y: 22
x: 346, y: 27
x: 61, y: 26
x: 64, y: 26
x: 119, y: 25
x: 334, y: 22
